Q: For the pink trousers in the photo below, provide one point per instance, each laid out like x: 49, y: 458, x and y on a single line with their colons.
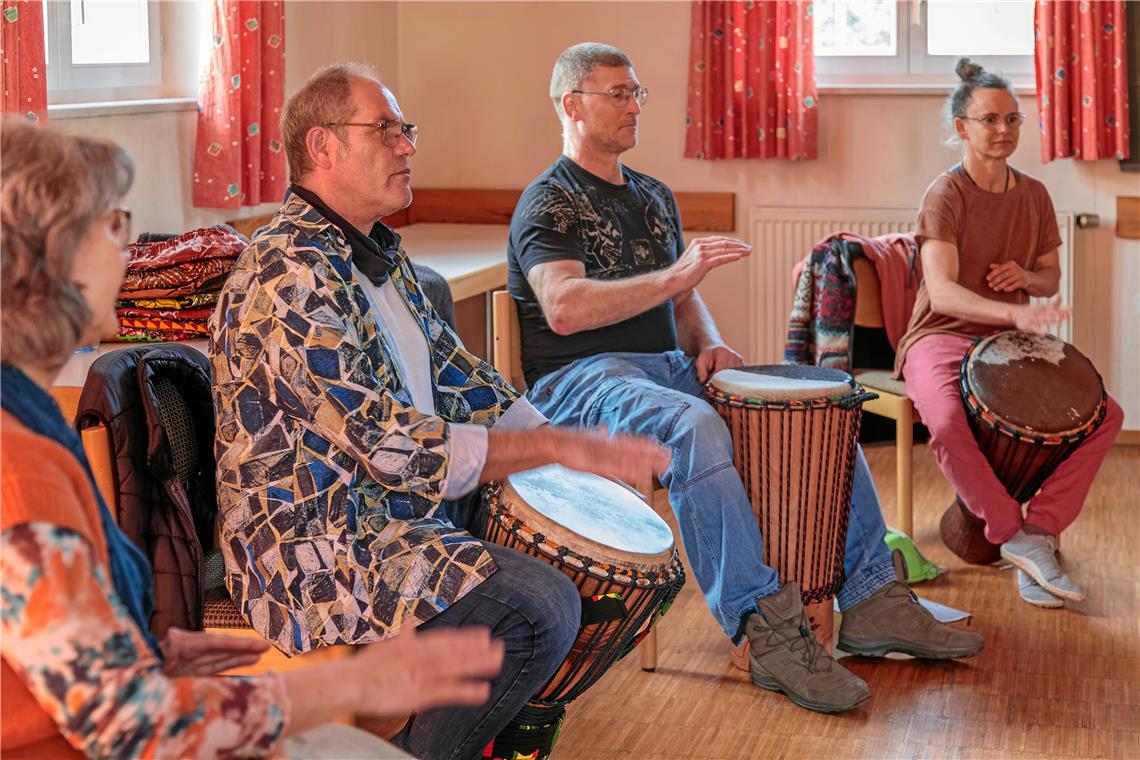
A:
x: 931, y: 372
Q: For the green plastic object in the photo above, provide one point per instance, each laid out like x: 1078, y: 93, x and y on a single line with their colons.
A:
x: 919, y: 568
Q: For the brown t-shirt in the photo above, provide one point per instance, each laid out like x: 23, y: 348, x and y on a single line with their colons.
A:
x: 987, y: 228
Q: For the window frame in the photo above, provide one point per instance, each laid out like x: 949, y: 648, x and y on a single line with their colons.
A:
x: 911, y: 65
x: 79, y: 83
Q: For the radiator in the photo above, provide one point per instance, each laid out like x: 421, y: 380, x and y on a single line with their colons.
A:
x: 781, y: 237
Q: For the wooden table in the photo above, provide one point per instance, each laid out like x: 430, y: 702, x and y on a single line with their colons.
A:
x: 471, y: 257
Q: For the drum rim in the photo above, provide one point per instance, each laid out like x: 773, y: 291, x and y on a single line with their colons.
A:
x: 853, y: 389
x: 660, y: 570
x: 995, y: 421
x: 857, y: 396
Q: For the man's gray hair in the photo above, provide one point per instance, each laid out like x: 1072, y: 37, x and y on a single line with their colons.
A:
x: 325, y: 99
x: 578, y: 62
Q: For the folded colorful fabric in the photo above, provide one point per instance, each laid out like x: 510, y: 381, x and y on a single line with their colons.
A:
x: 180, y: 280
x: 191, y: 301
x: 197, y: 315
x: 219, y: 242
x: 135, y: 335
x: 195, y: 327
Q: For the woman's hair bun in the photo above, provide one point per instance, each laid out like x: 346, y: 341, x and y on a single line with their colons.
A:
x: 967, y: 70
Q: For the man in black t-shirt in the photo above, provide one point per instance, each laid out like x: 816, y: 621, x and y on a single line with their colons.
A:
x: 613, y: 332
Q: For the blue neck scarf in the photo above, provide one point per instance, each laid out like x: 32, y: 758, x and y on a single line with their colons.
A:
x: 130, y: 570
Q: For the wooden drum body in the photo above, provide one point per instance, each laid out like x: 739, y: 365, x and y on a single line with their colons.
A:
x: 618, y: 552
x: 1031, y: 401
x: 794, y: 435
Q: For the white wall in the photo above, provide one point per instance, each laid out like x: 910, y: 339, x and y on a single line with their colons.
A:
x: 475, y: 77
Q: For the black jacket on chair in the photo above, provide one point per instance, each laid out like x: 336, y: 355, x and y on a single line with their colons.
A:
x: 156, y: 404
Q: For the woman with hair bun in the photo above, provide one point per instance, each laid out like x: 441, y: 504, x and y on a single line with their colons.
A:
x: 987, y: 234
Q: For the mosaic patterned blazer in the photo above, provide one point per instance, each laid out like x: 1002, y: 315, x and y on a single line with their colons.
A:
x: 329, y: 480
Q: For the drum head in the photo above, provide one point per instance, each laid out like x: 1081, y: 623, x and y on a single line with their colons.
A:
x: 590, y: 516
x: 784, y: 382
x: 1035, y: 383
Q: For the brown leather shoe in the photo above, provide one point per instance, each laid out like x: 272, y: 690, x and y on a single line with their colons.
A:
x: 892, y: 620
x: 785, y: 656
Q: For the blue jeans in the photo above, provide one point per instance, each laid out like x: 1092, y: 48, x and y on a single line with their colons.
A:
x: 534, y: 609
x: 658, y: 395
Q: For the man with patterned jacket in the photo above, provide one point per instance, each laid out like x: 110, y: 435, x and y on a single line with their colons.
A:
x: 350, y: 419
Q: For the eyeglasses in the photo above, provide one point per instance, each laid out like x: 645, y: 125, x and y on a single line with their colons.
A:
x: 390, y: 130
x: 619, y: 96
x: 991, y: 120
x: 120, y: 225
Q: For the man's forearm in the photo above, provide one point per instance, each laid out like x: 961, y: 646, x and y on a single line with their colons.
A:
x: 583, y: 304
x: 696, y: 329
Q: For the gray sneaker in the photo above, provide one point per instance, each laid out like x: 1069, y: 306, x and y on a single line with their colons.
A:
x: 1031, y: 591
x: 1034, y: 553
x: 785, y: 656
x: 892, y: 620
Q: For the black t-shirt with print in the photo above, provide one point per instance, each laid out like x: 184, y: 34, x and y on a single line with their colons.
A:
x: 616, y: 231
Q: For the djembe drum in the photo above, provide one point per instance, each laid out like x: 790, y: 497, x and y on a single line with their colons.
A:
x: 1031, y: 401
x: 794, y: 432
x: 619, y: 554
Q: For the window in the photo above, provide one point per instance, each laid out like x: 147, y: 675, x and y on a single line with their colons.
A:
x: 920, y: 41
x: 102, y: 49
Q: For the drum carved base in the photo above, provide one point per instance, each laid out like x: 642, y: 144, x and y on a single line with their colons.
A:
x: 963, y: 532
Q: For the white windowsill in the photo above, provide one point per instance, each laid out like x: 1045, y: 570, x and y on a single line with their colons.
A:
x: 119, y: 107
x: 905, y: 88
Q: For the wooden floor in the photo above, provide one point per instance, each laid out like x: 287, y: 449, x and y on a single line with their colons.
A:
x: 1050, y: 683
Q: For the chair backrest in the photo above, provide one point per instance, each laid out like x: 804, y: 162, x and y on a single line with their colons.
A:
x: 868, y: 294
x: 507, y: 352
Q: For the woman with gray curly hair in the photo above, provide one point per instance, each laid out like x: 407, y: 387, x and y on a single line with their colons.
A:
x: 988, y: 237
x: 80, y: 672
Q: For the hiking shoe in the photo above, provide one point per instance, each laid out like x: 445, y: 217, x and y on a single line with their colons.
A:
x: 785, y: 656
x: 1034, y: 553
x: 893, y: 620
x: 1031, y: 591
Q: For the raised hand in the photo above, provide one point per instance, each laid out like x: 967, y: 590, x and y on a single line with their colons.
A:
x: 705, y: 254
x: 199, y: 653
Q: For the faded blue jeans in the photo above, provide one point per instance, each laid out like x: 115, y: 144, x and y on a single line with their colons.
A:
x: 658, y: 395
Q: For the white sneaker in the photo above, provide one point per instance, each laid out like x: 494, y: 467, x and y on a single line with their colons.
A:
x: 1031, y: 591
x: 1033, y: 553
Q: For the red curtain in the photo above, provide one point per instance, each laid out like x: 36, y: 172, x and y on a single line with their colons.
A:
x: 238, y: 157
x: 23, y: 72
x: 1082, y: 79
x: 751, y: 81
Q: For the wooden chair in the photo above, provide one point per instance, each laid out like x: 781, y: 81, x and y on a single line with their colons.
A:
x: 507, y: 360
x: 892, y: 401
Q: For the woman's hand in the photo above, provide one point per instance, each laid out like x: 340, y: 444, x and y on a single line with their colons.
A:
x: 1039, y: 317
x: 198, y: 653
x: 414, y: 671
x: 1007, y: 277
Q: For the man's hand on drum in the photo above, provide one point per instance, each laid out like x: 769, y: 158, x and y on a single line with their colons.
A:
x: 713, y: 359
x: 1039, y: 317
x: 628, y: 458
